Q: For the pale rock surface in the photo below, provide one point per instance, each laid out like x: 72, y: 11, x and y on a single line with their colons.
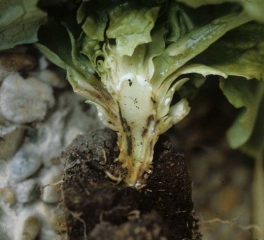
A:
x: 49, y: 125
x: 49, y: 182
x: 27, y: 226
x: 52, y: 78
x: 10, y: 139
x: 25, y: 100
x: 24, y: 164
x: 7, y: 196
x: 27, y: 191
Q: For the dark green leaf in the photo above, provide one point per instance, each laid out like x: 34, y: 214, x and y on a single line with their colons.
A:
x: 19, y: 22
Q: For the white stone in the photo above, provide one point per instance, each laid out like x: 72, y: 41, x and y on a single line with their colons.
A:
x: 27, y: 191
x: 50, y: 193
x: 24, y: 164
x: 51, y: 78
x: 52, y: 221
x: 43, y: 63
x: 27, y: 226
x: 10, y: 139
x: 25, y: 100
x: 7, y: 195
x: 3, y: 75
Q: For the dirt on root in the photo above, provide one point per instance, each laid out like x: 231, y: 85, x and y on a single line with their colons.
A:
x: 97, y: 208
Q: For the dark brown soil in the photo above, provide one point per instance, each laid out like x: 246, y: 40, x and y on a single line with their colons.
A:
x: 96, y: 208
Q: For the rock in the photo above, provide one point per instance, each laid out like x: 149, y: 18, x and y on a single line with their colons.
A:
x: 3, y: 75
x: 25, y: 100
x: 49, y: 140
x: 3, y: 121
x: 43, y: 63
x: 51, y: 78
x: 27, y: 191
x: 50, y: 193
x: 83, y: 117
x: 10, y: 139
x: 17, y: 61
x: 12, y: 62
x: 27, y: 226
x: 24, y: 164
x: 55, y: 77
x: 7, y: 195
x: 58, y: 130
x: 52, y: 215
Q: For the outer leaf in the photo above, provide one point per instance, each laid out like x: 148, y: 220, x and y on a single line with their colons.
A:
x: 56, y: 38
x: 81, y: 13
x: 19, y: 22
x: 255, y: 145
x: 179, y: 22
x: 248, y: 95
x: 254, y: 8
x: 195, y: 42
x: 240, y: 52
x: 59, y: 46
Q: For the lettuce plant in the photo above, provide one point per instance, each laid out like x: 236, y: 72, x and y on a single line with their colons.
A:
x: 130, y: 57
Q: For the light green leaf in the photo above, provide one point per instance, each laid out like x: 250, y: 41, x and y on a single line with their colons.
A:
x: 154, y: 48
x: 91, y: 48
x: 81, y: 12
x: 19, y: 22
x: 179, y: 22
x: 239, y: 53
x: 192, y: 44
x: 255, y: 145
x: 246, y: 95
x: 130, y: 27
x: 94, y: 26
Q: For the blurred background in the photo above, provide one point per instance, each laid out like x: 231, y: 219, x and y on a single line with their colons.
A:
x: 222, y: 177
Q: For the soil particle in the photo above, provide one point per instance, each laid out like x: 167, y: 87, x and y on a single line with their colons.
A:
x: 98, y: 208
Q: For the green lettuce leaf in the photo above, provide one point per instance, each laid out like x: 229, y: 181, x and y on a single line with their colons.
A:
x: 255, y: 145
x: 182, y: 51
x: 248, y: 127
x: 95, y: 25
x: 239, y: 53
x: 59, y: 44
x: 130, y: 27
x: 179, y: 23
x: 19, y: 22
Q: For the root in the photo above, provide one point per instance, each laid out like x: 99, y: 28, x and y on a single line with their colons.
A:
x: 105, y: 158
x: 234, y: 223
x: 78, y: 217
x: 112, y: 177
x: 108, y: 174
x: 51, y: 185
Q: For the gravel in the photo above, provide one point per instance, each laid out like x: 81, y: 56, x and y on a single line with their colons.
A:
x: 24, y: 164
x: 39, y: 116
x: 11, y: 138
x: 25, y: 100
